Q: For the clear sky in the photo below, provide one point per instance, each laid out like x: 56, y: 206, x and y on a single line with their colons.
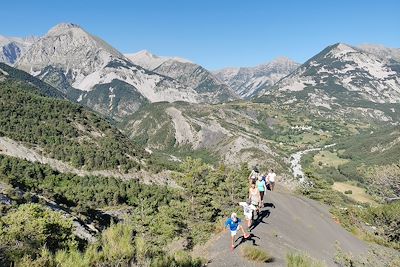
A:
x: 215, y: 33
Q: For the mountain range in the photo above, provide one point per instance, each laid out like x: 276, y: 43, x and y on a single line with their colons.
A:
x: 341, y: 71
x: 252, y: 81
x: 88, y: 70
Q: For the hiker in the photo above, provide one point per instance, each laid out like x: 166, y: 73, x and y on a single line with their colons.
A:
x: 248, y: 210
x: 271, y: 179
x: 234, y: 225
x: 254, y: 196
x: 262, y: 188
x: 254, y: 174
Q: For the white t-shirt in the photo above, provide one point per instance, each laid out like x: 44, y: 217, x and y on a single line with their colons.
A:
x: 271, y: 177
x: 248, y: 209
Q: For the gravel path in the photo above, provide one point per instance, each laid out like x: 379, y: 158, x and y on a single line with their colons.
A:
x: 290, y: 223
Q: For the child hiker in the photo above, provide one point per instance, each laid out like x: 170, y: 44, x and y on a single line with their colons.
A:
x: 234, y: 225
x: 248, y: 210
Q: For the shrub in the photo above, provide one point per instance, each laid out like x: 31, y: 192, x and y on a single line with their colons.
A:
x: 180, y: 259
x: 117, y: 243
x: 255, y: 254
x: 302, y: 260
x: 26, y: 230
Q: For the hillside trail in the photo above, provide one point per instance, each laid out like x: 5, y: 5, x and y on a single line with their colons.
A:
x: 288, y: 223
x: 10, y: 147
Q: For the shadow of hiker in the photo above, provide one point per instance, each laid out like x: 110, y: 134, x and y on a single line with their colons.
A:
x: 260, y: 218
x: 269, y: 205
x: 251, y: 238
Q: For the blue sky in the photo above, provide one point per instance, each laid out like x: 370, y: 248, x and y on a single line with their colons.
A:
x: 215, y: 33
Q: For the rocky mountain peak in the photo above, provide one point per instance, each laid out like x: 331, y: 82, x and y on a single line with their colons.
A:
x: 62, y: 27
x: 69, y: 47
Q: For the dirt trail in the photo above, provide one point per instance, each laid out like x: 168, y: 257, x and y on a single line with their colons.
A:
x: 290, y: 223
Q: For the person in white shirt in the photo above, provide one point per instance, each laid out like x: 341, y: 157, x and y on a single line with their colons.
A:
x: 271, y: 179
x: 248, y: 209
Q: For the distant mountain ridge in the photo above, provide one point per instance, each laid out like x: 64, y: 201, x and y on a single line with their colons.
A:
x: 187, y: 73
x: 342, y: 73
x: 382, y: 51
x: 150, y: 61
x: 252, y: 81
x: 12, y: 48
x: 88, y: 70
x: 76, y: 62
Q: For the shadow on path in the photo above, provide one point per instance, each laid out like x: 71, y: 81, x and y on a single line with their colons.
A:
x: 260, y: 219
x: 269, y: 205
x: 252, y: 238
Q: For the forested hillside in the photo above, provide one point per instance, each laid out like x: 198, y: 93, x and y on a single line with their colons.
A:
x: 63, y: 130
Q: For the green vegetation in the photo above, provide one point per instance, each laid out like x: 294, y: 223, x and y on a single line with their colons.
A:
x: 63, y: 130
x: 160, y: 214
x: 253, y: 253
x: 385, y: 218
x: 117, y: 246
x: 36, y: 85
x: 25, y: 230
x: 376, y: 256
x: 302, y: 260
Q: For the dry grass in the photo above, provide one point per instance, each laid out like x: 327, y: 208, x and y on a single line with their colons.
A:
x: 328, y: 159
x: 358, y: 193
x: 302, y: 260
x: 253, y: 253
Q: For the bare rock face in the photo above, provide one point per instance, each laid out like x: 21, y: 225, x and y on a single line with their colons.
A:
x: 382, y: 51
x: 71, y: 48
x: 342, y: 73
x: 248, y: 82
x: 76, y: 62
x: 189, y: 74
x: 12, y: 48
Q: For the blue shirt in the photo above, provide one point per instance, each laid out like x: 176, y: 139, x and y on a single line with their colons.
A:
x: 260, y: 185
x: 232, y: 225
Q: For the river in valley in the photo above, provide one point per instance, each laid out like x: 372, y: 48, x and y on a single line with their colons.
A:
x: 295, y: 161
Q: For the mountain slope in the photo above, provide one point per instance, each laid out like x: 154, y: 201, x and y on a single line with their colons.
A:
x: 382, y: 51
x: 342, y: 73
x: 9, y: 73
x: 150, y: 61
x: 247, y: 82
x: 189, y: 74
x: 70, y: 58
x: 62, y: 130
x: 12, y: 48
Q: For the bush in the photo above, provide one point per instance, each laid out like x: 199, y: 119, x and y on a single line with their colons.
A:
x: 302, y: 260
x: 180, y: 259
x: 255, y: 254
x: 25, y: 231
x: 117, y: 244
